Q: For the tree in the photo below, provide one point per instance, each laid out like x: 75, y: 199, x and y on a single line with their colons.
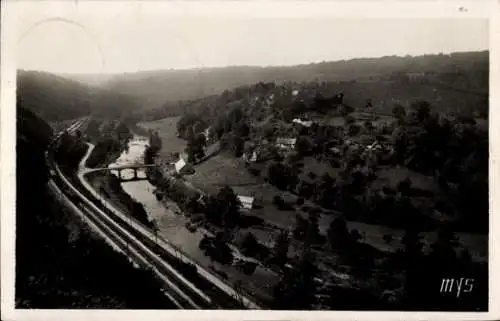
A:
x: 412, y: 262
x: 281, y: 249
x: 297, y: 288
x: 312, y: 233
x: 368, y: 126
x: 221, y: 126
x: 228, y: 206
x: 148, y: 156
x: 123, y: 131
x: 404, y: 186
x: 301, y: 225
x: 239, y: 145
x: 280, y: 175
x: 195, y: 146
x: 185, y: 124
x: 355, y: 236
x: 249, y: 245
x: 349, y: 120
x: 242, y: 129
x: 338, y: 234
x: 326, y: 191
x: 443, y: 250
x: 298, y: 107
x: 421, y: 111
x: 399, y: 111
x: 353, y: 129
x: 278, y: 201
x: 303, y: 146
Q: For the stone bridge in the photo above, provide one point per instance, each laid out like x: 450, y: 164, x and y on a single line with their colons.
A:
x: 119, y: 169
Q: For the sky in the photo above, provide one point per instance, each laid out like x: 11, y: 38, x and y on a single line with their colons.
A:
x: 86, y: 41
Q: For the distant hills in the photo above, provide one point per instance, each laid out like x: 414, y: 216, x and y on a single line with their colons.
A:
x: 457, y: 79
x: 465, y: 70
x: 56, y: 98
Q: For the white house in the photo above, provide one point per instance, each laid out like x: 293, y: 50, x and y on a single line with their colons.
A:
x: 295, y: 92
x: 336, y: 151
x: 207, y: 133
x: 180, y: 164
x: 305, y: 123
x: 270, y: 99
x: 374, y: 146
x: 246, y: 202
x: 251, y: 157
x: 286, y: 143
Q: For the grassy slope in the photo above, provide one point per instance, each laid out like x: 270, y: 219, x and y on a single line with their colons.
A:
x: 167, y: 128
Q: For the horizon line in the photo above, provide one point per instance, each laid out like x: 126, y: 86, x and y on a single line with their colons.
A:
x: 198, y: 69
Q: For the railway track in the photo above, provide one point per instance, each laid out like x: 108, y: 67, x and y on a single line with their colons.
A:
x: 181, y: 291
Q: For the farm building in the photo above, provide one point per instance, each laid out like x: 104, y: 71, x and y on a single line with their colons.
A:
x: 305, y: 123
x: 286, y: 143
x: 270, y: 99
x: 336, y: 151
x: 206, y: 133
x: 251, y: 157
x: 246, y: 202
x: 179, y: 165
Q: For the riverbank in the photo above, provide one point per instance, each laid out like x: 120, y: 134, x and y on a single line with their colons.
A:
x: 110, y: 189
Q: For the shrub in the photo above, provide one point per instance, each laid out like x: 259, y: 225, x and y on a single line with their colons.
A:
x: 355, y: 236
x: 249, y: 245
x: 349, y: 120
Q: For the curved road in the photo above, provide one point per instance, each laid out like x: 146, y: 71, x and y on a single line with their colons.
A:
x: 149, y: 234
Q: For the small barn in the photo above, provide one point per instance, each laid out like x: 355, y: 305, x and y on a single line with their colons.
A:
x: 180, y: 165
x: 206, y: 133
x: 247, y: 202
x: 286, y: 143
x: 305, y: 123
x: 251, y: 157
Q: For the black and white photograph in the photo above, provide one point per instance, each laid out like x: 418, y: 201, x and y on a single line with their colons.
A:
x: 167, y: 158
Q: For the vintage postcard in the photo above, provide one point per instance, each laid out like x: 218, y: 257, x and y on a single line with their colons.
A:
x: 249, y: 160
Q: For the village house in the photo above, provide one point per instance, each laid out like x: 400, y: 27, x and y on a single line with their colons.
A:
x: 415, y: 75
x: 246, y: 202
x: 206, y: 133
x: 251, y: 157
x: 286, y: 143
x: 336, y: 151
x: 374, y: 146
x: 180, y: 165
x: 305, y: 123
x: 270, y: 99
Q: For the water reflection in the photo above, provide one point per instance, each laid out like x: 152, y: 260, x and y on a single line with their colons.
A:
x: 172, y: 226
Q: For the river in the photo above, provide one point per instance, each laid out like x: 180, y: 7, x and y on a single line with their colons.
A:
x: 171, y: 226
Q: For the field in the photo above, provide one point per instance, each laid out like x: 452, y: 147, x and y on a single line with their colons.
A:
x: 221, y: 170
x: 166, y: 128
x: 392, y: 176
